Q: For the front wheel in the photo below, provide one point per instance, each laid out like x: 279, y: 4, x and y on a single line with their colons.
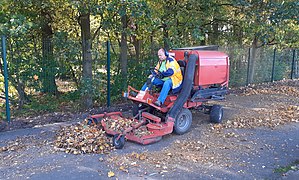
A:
x: 118, y: 141
x: 92, y: 121
x: 136, y: 108
x: 183, y: 121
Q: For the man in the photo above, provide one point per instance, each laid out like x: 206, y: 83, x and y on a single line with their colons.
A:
x: 169, y: 76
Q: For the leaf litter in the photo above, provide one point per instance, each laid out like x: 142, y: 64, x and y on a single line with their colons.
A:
x: 80, y: 138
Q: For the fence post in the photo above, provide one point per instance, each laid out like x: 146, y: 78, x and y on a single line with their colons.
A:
x: 108, y: 73
x: 248, y: 66
x: 293, y: 64
x: 273, y: 66
x: 5, y: 79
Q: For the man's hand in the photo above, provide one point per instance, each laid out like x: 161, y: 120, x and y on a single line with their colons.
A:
x: 160, y: 76
x: 150, y: 76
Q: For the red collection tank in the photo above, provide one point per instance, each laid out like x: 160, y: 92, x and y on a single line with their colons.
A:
x: 212, y: 67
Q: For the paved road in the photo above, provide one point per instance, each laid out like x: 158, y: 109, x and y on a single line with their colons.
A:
x: 37, y: 160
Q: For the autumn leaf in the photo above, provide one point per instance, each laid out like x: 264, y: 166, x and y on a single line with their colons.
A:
x: 111, y: 174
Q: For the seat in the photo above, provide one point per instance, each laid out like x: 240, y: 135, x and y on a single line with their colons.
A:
x: 182, y: 64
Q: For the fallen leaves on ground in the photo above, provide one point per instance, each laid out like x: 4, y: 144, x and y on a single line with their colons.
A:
x: 140, y: 156
x: 21, y: 143
x: 111, y: 174
x: 81, y: 138
x: 13, y: 146
x: 284, y: 87
x: 263, y: 117
x: 180, y: 153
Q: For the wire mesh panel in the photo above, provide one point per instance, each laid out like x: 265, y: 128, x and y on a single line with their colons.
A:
x: 47, y: 73
x: 238, y: 65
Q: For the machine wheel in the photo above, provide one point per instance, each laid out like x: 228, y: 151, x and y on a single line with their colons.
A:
x: 216, y: 114
x: 183, y: 121
x: 135, y: 109
x: 118, y: 143
x: 92, y: 121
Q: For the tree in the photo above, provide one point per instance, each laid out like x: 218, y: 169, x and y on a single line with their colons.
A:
x: 260, y: 21
x: 15, y: 26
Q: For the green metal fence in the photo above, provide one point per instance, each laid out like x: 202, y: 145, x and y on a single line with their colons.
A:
x: 270, y: 65
x: 31, y: 75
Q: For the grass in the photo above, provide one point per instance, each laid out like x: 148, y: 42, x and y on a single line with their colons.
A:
x: 284, y: 169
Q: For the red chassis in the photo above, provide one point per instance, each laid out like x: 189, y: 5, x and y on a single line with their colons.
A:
x: 153, y: 123
x: 206, y: 76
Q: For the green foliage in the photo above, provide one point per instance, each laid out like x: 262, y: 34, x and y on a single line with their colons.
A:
x: 68, y: 57
x: 137, y: 75
x: 238, y: 77
x: 150, y: 24
x: 45, y: 103
x: 284, y: 169
x: 265, y: 63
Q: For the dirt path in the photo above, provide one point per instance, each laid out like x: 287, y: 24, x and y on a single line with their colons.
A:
x: 259, y: 135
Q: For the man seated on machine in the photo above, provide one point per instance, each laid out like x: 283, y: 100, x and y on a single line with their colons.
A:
x: 167, y: 74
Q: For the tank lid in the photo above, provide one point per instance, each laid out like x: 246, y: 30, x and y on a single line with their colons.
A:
x: 210, y: 48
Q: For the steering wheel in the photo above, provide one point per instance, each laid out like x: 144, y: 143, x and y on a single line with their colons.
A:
x: 156, y: 73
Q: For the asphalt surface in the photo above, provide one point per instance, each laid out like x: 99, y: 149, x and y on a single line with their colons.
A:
x: 37, y: 159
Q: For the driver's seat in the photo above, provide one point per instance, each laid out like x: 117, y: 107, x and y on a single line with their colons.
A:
x: 182, y: 64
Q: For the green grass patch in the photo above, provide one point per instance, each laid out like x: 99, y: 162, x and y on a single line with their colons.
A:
x: 284, y: 169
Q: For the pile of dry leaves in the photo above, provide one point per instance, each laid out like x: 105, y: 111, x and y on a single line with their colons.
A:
x: 82, y: 138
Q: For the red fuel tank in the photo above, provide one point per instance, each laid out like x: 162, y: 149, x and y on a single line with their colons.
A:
x: 212, y: 67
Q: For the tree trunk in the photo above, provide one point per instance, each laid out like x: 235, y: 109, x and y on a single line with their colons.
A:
x: 152, y: 48
x: 48, y: 64
x: 124, y: 51
x: 15, y: 81
x: 19, y: 85
x: 252, y: 60
x: 165, y: 37
x: 86, y: 82
x: 215, y: 34
x: 137, y: 46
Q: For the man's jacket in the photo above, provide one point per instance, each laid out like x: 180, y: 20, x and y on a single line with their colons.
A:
x: 173, y: 71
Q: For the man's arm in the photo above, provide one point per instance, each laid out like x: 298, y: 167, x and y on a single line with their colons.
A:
x: 168, y: 72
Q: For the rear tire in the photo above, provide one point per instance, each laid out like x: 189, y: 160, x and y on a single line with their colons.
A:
x: 216, y: 114
x: 183, y: 121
